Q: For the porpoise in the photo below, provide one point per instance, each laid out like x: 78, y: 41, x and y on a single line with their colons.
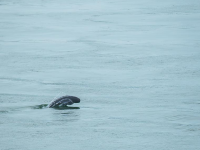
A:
x: 64, y: 101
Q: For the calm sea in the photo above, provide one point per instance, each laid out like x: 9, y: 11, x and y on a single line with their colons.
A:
x: 135, y: 65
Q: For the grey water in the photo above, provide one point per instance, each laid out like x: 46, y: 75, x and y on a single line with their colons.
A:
x: 135, y: 65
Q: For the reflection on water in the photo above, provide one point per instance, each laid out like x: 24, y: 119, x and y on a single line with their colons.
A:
x: 61, y: 108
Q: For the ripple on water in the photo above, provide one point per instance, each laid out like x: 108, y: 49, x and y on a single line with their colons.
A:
x: 3, y: 111
x: 42, y: 106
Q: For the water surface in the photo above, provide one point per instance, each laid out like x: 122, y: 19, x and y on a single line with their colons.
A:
x: 134, y: 65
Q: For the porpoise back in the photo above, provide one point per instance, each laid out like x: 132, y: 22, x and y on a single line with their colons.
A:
x: 64, y: 101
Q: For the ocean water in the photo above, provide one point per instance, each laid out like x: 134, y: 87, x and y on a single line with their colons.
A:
x: 135, y: 65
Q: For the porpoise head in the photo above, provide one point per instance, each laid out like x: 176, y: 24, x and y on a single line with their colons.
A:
x: 74, y: 99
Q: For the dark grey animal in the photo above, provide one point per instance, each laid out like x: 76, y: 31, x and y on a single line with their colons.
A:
x: 64, y: 101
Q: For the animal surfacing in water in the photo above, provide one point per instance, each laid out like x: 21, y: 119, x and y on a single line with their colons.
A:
x: 64, y: 101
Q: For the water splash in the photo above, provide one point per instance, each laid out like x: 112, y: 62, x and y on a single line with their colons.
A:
x: 40, y: 106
